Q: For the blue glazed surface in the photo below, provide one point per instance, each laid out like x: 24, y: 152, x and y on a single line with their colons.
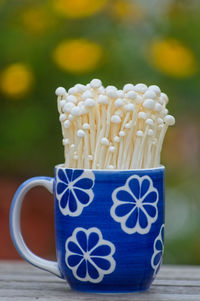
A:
x: 98, y: 248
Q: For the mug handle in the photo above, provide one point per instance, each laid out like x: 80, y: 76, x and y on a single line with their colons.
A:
x: 15, y: 228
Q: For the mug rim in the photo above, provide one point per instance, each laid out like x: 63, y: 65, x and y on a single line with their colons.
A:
x: 161, y: 167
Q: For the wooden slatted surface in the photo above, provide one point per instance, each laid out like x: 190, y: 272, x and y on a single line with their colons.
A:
x: 20, y: 281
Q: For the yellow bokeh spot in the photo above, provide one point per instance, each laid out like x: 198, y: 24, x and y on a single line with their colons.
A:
x: 78, y: 55
x: 16, y: 80
x: 124, y: 10
x: 35, y: 20
x: 78, y: 8
x: 172, y: 58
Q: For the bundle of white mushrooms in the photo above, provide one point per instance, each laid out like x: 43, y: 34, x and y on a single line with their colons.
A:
x: 107, y: 128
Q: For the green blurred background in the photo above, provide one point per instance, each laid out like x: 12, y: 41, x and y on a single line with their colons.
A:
x: 46, y: 44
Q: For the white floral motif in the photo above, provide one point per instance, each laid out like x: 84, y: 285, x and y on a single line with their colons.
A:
x: 158, y: 249
x: 88, y: 255
x: 74, y: 190
x: 135, y: 205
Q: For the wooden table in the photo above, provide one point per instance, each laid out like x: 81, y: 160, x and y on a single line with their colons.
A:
x: 20, y: 281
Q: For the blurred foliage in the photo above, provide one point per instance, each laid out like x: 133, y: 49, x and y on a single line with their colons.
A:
x: 51, y: 43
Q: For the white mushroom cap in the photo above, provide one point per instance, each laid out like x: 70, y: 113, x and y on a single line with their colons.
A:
x: 80, y: 133
x: 76, y: 111
x: 68, y: 107
x: 103, y: 99
x: 105, y: 141
x: 128, y: 87
x: 71, y: 98
x: 62, y: 117
x: 95, y: 83
x: 115, y: 119
x: 156, y: 89
x: 129, y: 107
x: 131, y: 94
x: 169, y: 119
x: 67, y: 124
x: 119, y: 102
x: 87, y: 94
x: 89, y: 102
x: 60, y: 91
x: 73, y: 90
x: 139, y: 133
x: 149, y: 94
x: 140, y: 88
x: 149, y: 104
x: 111, y: 91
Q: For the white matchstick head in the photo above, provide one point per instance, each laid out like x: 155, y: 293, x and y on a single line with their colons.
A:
x: 95, y: 83
x: 75, y: 157
x: 90, y: 157
x: 104, y: 141
x: 60, y: 91
x: 169, y: 119
x: 72, y: 146
x: 67, y: 124
x: 80, y: 133
x: 119, y: 102
x: 149, y: 104
x: 140, y: 88
x: 71, y: 98
x: 128, y: 87
x: 103, y: 99
x: 115, y: 119
x: 111, y: 167
x: 62, y: 117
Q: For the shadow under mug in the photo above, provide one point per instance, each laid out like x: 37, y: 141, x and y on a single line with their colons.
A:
x: 109, y: 227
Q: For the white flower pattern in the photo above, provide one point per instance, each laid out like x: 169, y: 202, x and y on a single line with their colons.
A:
x: 88, y: 255
x: 74, y: 190
x: 135, y: 205
x: 158, y: 249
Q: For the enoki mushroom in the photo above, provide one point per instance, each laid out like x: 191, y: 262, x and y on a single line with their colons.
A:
x: 107, y: 128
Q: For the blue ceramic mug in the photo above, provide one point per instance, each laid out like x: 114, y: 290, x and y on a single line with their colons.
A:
x: 109, y: 227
